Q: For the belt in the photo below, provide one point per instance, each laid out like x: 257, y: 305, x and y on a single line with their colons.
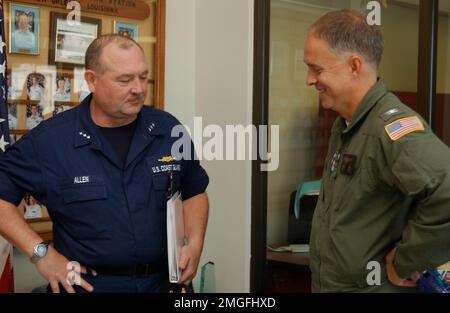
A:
x: 146, y: 269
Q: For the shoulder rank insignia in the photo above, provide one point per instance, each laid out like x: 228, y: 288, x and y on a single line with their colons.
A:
x: 403, y: 127
x: 167, y: 159
x: 390, y: 113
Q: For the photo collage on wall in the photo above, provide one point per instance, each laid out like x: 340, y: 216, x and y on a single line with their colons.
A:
x: 36, y: 96
x: 45, y: 67
x: 37, y: 91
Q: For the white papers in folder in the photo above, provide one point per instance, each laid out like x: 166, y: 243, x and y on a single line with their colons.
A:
x: 175, y: 235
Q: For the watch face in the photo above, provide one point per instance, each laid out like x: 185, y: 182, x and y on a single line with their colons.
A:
x: 41, y: 250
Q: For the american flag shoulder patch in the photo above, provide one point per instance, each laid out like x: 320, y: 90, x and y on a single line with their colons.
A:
x: 403, y: 127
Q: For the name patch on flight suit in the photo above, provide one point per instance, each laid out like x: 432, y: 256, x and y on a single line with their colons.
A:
x: 348, y: 164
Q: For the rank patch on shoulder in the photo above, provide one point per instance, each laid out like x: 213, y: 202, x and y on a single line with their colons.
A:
x: 390, y: 113
x: 403, y: 127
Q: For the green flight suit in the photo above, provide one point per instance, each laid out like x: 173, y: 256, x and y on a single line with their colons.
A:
x: 376, y: 192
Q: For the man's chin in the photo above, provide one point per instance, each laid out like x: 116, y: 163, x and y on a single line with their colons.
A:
x: 133, y: 109
x: 325, y: 104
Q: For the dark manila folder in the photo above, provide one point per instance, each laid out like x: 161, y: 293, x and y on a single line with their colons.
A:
x: 301, y: 209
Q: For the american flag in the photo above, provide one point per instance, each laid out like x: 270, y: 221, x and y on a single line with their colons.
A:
x: 403, y: 127
x: 4, y: 129
x: 6, y: 278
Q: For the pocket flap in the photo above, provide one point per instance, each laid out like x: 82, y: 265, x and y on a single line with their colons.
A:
x: 161, y: 182
x: 84, y: 193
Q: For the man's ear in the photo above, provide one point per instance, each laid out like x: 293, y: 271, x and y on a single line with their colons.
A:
x: 91, y: 79
x: 356, y: 64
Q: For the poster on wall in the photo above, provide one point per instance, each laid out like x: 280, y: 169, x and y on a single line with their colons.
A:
x: 68, y: 42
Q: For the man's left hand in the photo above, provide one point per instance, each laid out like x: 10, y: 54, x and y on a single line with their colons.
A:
x: 189, y: 259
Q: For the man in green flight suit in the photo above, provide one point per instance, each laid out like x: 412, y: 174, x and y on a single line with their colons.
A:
x: 384, y: 203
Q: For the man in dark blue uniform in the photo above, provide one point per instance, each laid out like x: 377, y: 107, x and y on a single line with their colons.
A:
x: 104, y: 170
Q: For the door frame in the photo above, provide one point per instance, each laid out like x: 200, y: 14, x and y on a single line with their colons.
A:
x: 260, y: 117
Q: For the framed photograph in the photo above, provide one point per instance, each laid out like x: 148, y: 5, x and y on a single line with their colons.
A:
x: 33, y: 208
x: 126, y: 29
x: 69, y: 42
x: 36, y: 87
x: 13, y: 91
x: 59, y: 108
x: 80, y: 85
x: 23, y: 29
x: 62, y: 89
x: 12, y: 116
x: 34, y: 115
x: 17, y: 83
x: 12, y: 139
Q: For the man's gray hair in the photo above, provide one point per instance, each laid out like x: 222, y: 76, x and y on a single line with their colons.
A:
x: 348, y: 31
x: 95, y: 49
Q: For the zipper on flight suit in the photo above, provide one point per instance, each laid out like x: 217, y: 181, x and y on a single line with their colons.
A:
x: 333, y: 172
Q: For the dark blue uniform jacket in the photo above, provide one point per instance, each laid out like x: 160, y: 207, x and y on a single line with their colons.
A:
x: 104, y: 213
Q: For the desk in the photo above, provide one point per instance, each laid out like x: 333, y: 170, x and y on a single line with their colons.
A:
x: 287, y: 272
x: 299, y: 258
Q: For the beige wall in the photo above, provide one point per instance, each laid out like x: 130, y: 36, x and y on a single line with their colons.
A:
x: 400, y: 27
x: 180, y: 60
x: 215, y: 37
x: 398, y: 68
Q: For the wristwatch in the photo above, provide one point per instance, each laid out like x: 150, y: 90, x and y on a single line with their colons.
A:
x: 39, y: 251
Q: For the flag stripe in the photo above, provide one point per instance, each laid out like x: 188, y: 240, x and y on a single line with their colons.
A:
x: 5, y: 247
x: 403, y: 127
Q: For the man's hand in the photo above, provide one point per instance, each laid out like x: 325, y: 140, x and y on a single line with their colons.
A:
x: 189, y: 259
x: 54, y: 268
x: 392, y: 275
x: 195, y: 211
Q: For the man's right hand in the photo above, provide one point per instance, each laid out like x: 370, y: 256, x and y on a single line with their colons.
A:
x: 54, y: 268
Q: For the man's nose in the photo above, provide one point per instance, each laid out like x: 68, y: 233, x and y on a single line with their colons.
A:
x: 138, y: 87
x: 310, y: 78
